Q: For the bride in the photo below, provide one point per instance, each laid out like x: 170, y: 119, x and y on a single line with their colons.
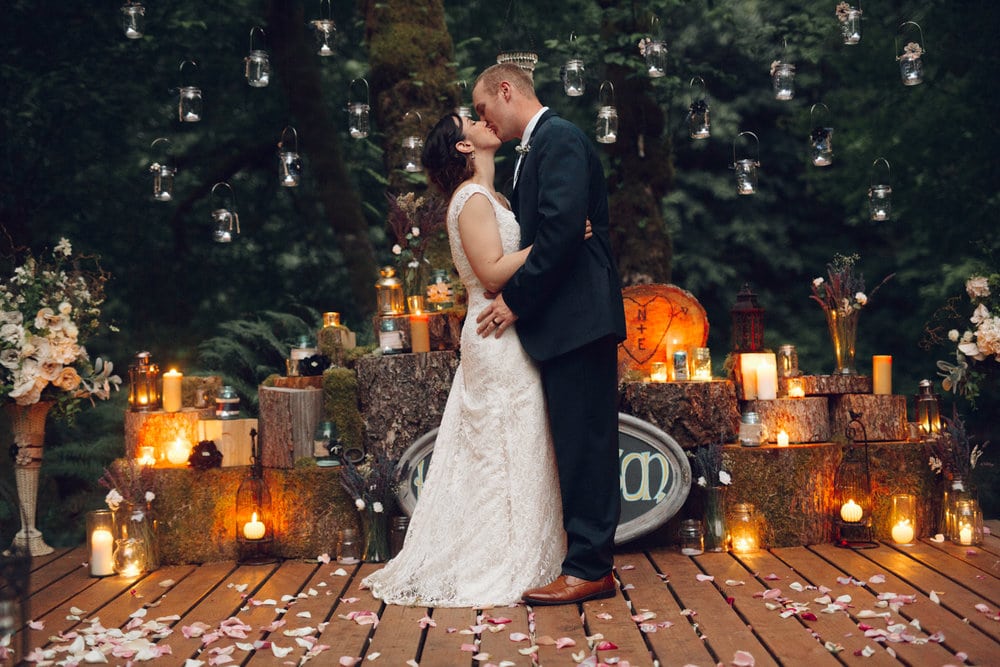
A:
x: 488, y: 522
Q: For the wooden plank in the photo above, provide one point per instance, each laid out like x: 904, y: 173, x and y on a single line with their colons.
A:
x: 399, y: 634
x: 55, y: 569
x: 798, y: 564
x: 224, y: 599
x: 321, y: 596
x: 557, y: 622
x: 612, y: 619
x: 498, y: 644
x: 956, y: 599
x: 344, y: 636
x: 648, y: 591
x: 781, y: 637
x: 979, y: 558
x: 720, y: 627
x: 862, y: 568
x: 443, y: 643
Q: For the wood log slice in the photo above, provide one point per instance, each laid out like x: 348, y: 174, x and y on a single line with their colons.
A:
x: 288, y: 419
x: 693, y: 413
x: 803, y: 419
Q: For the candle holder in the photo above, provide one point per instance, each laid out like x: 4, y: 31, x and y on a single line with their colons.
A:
x: 163, y: 174
x: 358, y: 110
x: 699, y: 118
x: 744, y: 525
x: 911, y: 68
x: 257, y: 64
x: 783, y: 80
x: 748, y: 322
x: 133, y: 19
x: 189, y: 101
x: 788, y: 361
x: 100, y: 542
x: 852, y: 491
x: 289, y: 161
x: 574, y: 79
x: 927, y: 407
x: 658, y: 371
x: 327, y: 445
x: 850, y: 23
x: 796, y: 387
x: 225, y: 221
x: 903, y: 519
x: 389, y: 290
x: 968, y: 523
x: 324, y: 29
x: 254, y: 525
x: 606, y: 127
x: 701, y: 364
x: 691, y: 537
x: 746, y: 168
x: 144, y: 385
x: 821, y: 141
x: 227, y: 403
x: 880, y: 195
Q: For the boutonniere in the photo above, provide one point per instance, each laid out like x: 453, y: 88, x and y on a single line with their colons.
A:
x: 522, y: 149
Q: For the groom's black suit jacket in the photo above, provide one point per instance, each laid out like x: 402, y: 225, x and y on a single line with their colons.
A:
x: 568, y: 293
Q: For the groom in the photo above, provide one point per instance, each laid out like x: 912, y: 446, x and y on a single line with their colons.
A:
x: 570, y: 318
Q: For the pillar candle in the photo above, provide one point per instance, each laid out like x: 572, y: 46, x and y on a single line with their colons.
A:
x: 902, y: 532
x: 767, y: 379
x: 101, y: 562
x: 882, y: 374
x: 254, y: 529
x: 179, y: 451
x: 749, y: 361
x: 420, y: 337
x: 172, y: 381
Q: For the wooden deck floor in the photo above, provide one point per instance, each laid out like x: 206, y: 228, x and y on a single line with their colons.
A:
x: 934, y: 604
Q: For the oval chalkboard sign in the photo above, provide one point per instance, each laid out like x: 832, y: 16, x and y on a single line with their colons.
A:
x: 654, y: 472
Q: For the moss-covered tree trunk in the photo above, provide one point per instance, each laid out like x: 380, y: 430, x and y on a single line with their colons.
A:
x: 410, y: 53
x: 298, y: 69
x: 642, y: 169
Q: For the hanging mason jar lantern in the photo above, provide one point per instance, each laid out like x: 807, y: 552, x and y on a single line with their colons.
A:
x: 357, y: 112
x: 189, y: 103
x: 820, y: 141
x: 783, y: 80
x: 746, y: 168
x: 289, y: 162
x: 654, y: 50
x: 413, y: 146
x: 257, y: 67
x: 927, y: 407
x: 911, y: 69
x: 225, y: 221
x: 144, y: 384
x: 254, y: 520
x: 464, y: 109
x: 163, y: 175
x: 324, y: 29
x: 699, y: 122
x: 748, y: 322
x: 133, y: 19
x: 574, y: 83
x: 850, y: 22
x: 606, y: 129
x: 853, y: 491
x: 880, y: 195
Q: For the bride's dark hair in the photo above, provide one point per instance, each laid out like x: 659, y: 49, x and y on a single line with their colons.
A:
x: 446, y: 166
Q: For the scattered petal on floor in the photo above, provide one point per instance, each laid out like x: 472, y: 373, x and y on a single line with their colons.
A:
x: 735, y: 582
x: 564, y: 642
x: 876, y: 579
x: 604, y: 616
x: 743, y: 659
x: 704, y: 577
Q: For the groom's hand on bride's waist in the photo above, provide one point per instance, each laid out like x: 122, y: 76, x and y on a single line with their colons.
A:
x: 495, y: 318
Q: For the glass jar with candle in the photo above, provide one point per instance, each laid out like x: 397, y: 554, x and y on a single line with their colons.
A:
x: 332, y: 339
x: 348, y: 547
x: 303, y: 348
x: 691, y: 537
x: 903, y: 518
x: 701, y: 364
x: 744, y: 525
x: 227, y: 403
x: 101, y: 542
x: 327, y: 447
x: 751, y: 430
x: 788, y: 361
x: 968, y: 523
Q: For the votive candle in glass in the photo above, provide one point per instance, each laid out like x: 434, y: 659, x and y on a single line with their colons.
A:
x: 100, y: 542
x: 658, y: 371
x: 903, y: 518
x: 701, y: 364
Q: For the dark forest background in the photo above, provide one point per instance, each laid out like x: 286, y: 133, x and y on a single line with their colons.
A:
x: 83, y: 104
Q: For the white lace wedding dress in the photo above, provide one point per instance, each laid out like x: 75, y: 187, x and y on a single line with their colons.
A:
x: 488, y: 522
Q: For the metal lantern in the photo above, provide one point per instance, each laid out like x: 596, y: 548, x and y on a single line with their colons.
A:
x: 163, y: 175
x: 606, y: 128
x: 389, y: 288
x: 358, y: 112
x: 748, y: 322
x: 746, y: 168
x: 324, y: 29
x: 927, y: 408
x: 225, y: 221
x: 853, y: 491
x: 699, y: 122
x: 254, y: 522
x: 574, y: 82
x: 289, y: 162
x: 850, y: 22
x: 911, y: 69
x: 413, y: 146
x: 783, y: 80
x: 880, y: 195
x: 144, y: 384
x: 189, y: 103
x: 257, y: 65
x: 820, y: 141
x: 654, y: 50
x: 133, y: 19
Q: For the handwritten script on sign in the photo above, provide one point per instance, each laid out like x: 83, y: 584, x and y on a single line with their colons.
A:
x: 660, y: 319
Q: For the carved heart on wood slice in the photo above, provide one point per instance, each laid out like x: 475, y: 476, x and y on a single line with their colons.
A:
x: 660, y: 319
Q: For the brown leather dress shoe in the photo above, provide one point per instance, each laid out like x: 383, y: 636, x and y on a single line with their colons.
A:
x: 567, y: 589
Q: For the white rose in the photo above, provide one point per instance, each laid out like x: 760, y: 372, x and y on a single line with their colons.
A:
x: 980, y: 314
x: 63, y: 247
x: 817, y: 282
x: 415, y: 231
x: 397, y: 249
x: 377, y: 506
x: 724, y: 477
x: 953, y: 335
x: 701, y: 481
x: 977, y: 286
x: 861, y: 298
x: 113, y: 499
x: 150, y: 496
x: 359, y: 503
x: 65, y: 308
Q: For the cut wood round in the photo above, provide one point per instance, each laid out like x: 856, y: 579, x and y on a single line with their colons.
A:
x: 155, y: 428
x: 660, y: 320
x: 803, y: 419
x: 288, y: 419
x: 823, y: 385
x: 883, y: 416
x: 692, y: 413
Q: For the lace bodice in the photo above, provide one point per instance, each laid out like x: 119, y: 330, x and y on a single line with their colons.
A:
x: 488, y: 521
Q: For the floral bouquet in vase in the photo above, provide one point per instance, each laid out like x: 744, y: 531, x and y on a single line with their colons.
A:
x: 714, y: 479
x: 977, y: 348
x: 130, y: 498
x: 414, y: 221
x: 373, y: 483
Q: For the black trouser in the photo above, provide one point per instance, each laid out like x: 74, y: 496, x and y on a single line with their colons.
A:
x: 581, y: 391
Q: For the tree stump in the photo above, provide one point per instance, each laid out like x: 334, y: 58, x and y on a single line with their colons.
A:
x: 883, y: 416
x: 803, y: 419
x: 155, y: 428
x: 445, y: 329
x: 288, y: 419
x: 825, y: 385
x: 693, y: 413
x: 402, y: 396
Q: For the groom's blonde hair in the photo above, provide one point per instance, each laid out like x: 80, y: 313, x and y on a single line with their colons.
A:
x: 491, y: 77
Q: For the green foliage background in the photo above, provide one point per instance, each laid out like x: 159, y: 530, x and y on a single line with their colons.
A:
x: 83, y: 104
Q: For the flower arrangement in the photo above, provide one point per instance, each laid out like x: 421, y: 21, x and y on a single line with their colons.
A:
x: 978, y: 344
x: 414, y: 221
x: 843, y: 290
x: 130, y: 498
x: 372, y: 483
x: 708, y: 459
x: 951, y: 452
x: 48, y: 309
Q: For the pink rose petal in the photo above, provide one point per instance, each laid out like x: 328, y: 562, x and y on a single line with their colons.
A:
x: 743, y: 659
x: 348, y: 661
x: 563, y: 642
x: 518, y: 637
x: 607, y: 646
x: 704, y: 577
x: 469, y: 648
